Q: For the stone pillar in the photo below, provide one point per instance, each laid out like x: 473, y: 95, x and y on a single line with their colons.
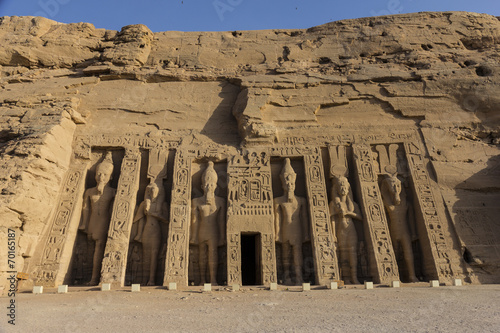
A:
x: 383, y: 265
x: 325, y: 256
x: 250, y: 209
x: 114, y: 263
x: 435, y: 239
x: 57, y: 245
x: 176, y: 265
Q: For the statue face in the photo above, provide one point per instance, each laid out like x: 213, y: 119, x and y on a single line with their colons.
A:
x: 153, y: 192
x: 209, y: 186
x: 289, y: 182
x: 103, y: 174
x: 343, y: 187
x: 395, y: 185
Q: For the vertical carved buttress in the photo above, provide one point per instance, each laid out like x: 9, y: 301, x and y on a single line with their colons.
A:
x: 444, y: 265
x: 176, y: 265
x: 325, y: 257
x: 55, y: 256
x: 384, y: 267
x: 115, y: 256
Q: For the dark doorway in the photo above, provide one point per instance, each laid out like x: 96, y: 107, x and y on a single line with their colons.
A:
x: 250, y: 259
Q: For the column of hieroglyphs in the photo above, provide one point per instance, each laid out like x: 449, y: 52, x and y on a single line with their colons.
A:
x: 443, y: 265
x: 250, y: 204
x: 115, y: 256
x: 176, y: 265
x: 383, y: 263
x: 325, y: 257
x: 57, y: 246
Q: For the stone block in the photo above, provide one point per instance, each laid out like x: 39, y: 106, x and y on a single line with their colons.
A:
x: 136, y: 287
x: 434, y: 283
x: 457, y: 282
x: 207, y: 287
x: 62, y: 289
x: 273, y: 286
x: 38, y: 290
x: 306, y: 286
x: 368, y: 285
x: 236, y: 287
x: 106, y: 287
x: 395, y: 284
x: 172, y: 286
x: 334, y: 285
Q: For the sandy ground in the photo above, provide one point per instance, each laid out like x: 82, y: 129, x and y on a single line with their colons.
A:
x: 407, y: 309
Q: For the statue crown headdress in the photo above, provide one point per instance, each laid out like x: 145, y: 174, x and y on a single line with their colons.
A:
x: 287, y: 168
x: 107, y: 161
x: 209, y: 174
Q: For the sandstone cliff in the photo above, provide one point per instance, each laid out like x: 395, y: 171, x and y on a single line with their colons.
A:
x: 438, y: 72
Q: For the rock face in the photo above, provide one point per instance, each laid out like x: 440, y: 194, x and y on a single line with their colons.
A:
x: 415, y: 97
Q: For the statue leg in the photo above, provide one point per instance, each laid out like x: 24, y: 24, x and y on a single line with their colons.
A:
x: 353, y: 263
x: 146, y: 263
x: 213, y: 262
x: 202, y: 262
x: 297, y: 263
x: 286, y: 262
x: 408, y: 255
x: 100, y: 246
x: 352, y: 244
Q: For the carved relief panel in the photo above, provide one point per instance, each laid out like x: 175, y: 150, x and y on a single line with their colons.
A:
x: 441, y: 260
x: 323, y: 247
x: 250, y: 219
x: 383, y: 261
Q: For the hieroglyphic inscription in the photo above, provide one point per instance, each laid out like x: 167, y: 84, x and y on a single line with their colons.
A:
x: 176, y: 265
x: 384, y: 267
x: 115, y: 257
x: 84, y: 143
x: 250, y: 209
x: 445, y: 267
x: 55, y: 255
x: 325, y: 256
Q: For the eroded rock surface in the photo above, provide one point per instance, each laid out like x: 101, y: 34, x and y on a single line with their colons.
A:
x: 433, y: 73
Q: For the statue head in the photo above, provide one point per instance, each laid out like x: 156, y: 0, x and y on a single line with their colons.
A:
x: 392, y: 184
x: 209, y: 179
x: 152, y: 191
x: 341, y: 185
x: 288, y: 177
x: 104, y: 170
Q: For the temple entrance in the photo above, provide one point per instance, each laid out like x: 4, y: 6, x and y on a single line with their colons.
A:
x: 250, y: 259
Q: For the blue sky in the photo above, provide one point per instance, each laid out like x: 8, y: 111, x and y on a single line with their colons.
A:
x: 228, y: 15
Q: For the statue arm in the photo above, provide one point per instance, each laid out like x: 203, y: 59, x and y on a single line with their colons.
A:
x: 277, y: 221
x: 356, y: 213
x: 139, y: 213
x: 85, y: 212
x: 305, y: 220
x: 332, y: 218
x: 194, y: 224
x: 222, y: 223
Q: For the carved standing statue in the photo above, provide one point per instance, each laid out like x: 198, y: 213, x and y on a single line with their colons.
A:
x: 96, y: 213
x: 343, y: 210
x: 150, y: 215
x: 208, y: 224
x: 397, y: 208
x: 291, y: 223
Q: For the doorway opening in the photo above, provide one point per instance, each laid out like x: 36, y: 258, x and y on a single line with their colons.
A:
x: 250, y: 259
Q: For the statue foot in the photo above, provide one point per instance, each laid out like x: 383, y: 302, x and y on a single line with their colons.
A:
x: 150, y: 283
x: 355, y: 281
x: 414, y: 279
x: 92, y: 283
x: 214, y: 284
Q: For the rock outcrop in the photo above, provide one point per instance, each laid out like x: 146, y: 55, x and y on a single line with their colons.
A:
x: 435, y: 73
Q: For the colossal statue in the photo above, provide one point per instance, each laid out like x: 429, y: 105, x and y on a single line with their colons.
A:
x: 397, y: 207
x: 342, y: 211
x: 208, y: 224
x: 96, y: 213
x: 291, y: 224
x: 150, y: 214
